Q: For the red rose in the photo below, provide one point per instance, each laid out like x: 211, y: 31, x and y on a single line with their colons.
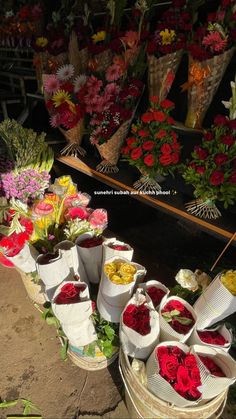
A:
x: 147, y: 117
x: 190, y: 361
x: 227, y: 139
x: 174, y: 305
x: 208, y: 136
x: 93, y: 306
x: 156, y: 295
x: 69, y: 290
x: 131, y: 309
x: 167, y: 104
x: 216, y: 178
x: 118, y: 247
x: 200, y: 169
x: 69, y: 294
x: 131, y: 142
x: 201, y: 153
x: 93, y: 242
x: 149, y: 160
x: 148, y: 145
x: 212, y: 366
x: 143, y: 133
x: 183, y: 380
x: 175, y: 157
x: 220, y: 159
x: 136, y: 153
x: 162, y: 350
x: 232, y: 124
x: 129, y: 321
x: 170, y: 120
x: 154, y: 99
x: 165, y: 159
x: 212, y: 337
x: 160, y: 134
x: 174, y: 135
x: 169, y: 366
x: 125, y: 150
x: 220, y: 120
x: 177, y: 352
x: 232, y: 178
x: 195, y: 375
x: 159, y: 116
x: 166, y: 148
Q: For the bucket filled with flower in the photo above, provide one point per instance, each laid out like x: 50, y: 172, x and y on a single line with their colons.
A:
x: 153, y: 147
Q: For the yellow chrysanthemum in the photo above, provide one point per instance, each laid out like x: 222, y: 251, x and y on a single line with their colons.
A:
x: 99, y: 36
x: 71, y: 190
x: 41, y: 41
x: 167, y: 36
x: 64, y: 181
x: 61, y: 96
x: 228, y: 279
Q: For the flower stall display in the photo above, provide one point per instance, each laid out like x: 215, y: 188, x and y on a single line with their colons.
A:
x: 218, y: 300
x: 119, y: 278
x: 156, y: 291
x: 153, y: 147
x: 72, y: 306
x: 212, y: 170
x: 220, y: 369
x: 165, y: 48
x: 210, y: 52
x: 139, y: 327
x: 177, y: 319
x: 218, y: 337
x: 113, y: 247
x: 174, y: 374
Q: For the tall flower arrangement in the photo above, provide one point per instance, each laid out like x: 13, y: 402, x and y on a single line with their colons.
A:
x: 153, y: 147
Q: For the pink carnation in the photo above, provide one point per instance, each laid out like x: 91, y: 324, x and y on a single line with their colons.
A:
x: 76, y: 212
x: 215, y: 42
x: 98, y: 219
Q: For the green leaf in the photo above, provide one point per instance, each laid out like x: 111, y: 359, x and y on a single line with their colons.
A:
x: 24, y: 416
x: 89, y: 350
x: 109, y: 332
x: 63, y: 352
x: 107, y: 349
x: 51, y: 320
x: 28, y: 406
x: 183, y: 320
x: 8, y: 404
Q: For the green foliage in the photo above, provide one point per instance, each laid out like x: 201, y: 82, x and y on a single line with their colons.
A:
x: 27, y: 406
x: 175, y: 314
x: 187, y: 295
x: 51, y: 320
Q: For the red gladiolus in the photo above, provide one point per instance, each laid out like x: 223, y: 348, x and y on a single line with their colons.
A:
x: 148, y: 145
x: 149, y: 160
x: 136, y: 153
x: 216, y: 178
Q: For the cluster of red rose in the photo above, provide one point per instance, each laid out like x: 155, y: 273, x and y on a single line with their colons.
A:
x: 212, y: 366
x: 69, y: 294
x: 156, y: 295
x: 93, y: 242
x: 154, y: 143
x: 180, y: 370
x: 118, y: 247
x: 177, y: 320
x: 137, y: 318
x: 212, y: 337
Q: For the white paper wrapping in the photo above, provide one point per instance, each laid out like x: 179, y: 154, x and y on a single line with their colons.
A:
x: 26, y: 259
x: 109, y: 253
x: 75, y: 318
x: 72, y: 258
x: 195, y: 339
x: 214, y: 304
x: 157, y: 284
x: 54, y: 272
x: 167, y: 333
x: 134, y: 344
x: 213, y: 385
x: 159, y: 386
x: 91, y: 258
x: 112, y: 298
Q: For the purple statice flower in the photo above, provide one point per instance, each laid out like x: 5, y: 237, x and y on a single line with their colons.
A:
x: 27, y: 185
x: 6, y: 166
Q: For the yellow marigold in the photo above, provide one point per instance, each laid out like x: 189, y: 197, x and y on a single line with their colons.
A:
x: 99, y: 36
x: 41, y: 41
x: 61, y: 96
x: 167, y: 36
x: 228, y: 279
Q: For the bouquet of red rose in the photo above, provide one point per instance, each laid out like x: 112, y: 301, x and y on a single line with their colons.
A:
x: 72, y: 306
x: 139, y: 331
x: 177, y: 319
x: 218, y: 337
x: 113, y: 247
x: 90, y: 251
x: 153, y: 147
x: 218, y: 367
x: 174, y: 374
x: 212, y: 170
x: 156, y: 291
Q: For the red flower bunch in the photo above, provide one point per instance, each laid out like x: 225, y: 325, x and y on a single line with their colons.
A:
x: 178, y: 316
x: 93, y: 242
x: 153, y: 146
x: 156, y: 295
x: 118, y: 246
x: 181, y: 371
x: 77, y: 212
x: 212, y: 366
x: 212, y: 170
x: 137, y: 318
x: 69, y: 294
x: 12, y: 245
x: 216, y: 35
x: 212, y: 337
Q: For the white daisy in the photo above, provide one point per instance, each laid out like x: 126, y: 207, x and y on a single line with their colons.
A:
x: 79, y: 82
x: 65, y: 72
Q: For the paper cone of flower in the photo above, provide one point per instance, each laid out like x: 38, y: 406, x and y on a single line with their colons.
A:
x: 204, y: 78
x: 161, y: 73
x: 74, y: 138
x: 110, y: 151
x: 103, y: 60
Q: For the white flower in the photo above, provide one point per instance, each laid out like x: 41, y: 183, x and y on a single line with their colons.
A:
x: 187, y: 279
x: 65, y: 72
x: 79, y: 82
x: 226, y: 104
x: 232, y: 84
x: 202, y: 278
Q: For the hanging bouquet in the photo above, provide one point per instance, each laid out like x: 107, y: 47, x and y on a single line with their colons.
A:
x: 153, y: 147
x: 212, y: 170
x: 166, y: 46
x: 210, y: 51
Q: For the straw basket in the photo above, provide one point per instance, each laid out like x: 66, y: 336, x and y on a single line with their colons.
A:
x: 143, y: 404
x: 203, y: 81
x: 34, y: 291
x: 110, y: 151
x: 161, y: 73
x: 74, y: 138
x: 88, y: 363
x: 103, y: 60
x: 78, y: 58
